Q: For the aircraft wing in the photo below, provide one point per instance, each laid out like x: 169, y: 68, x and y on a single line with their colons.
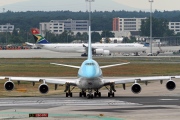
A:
x: 137, y: 79
x: 30, y: 79
x: 61, y: 81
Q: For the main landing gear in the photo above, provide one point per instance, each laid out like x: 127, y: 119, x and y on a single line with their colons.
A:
x: 90, y: 95
x: 97, y: 93
x: 68, y: 91
x: 111, y: 90
x: 82, y: 93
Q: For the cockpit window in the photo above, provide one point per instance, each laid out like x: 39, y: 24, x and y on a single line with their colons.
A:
x: 89, y: 63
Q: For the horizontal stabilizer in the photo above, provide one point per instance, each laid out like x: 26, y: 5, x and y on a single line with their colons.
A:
x: 72, y: 66
x: 106, y: 66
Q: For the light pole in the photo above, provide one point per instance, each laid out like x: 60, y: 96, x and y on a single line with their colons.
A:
x: 151, y: 1
x: 6, y: 34
x: 67, y: 36
x: 27, y: 36
x: 89, y: 10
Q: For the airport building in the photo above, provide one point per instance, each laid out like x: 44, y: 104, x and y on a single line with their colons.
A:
x: 6, y: 28
x: 175, y: 26
x: 127, y: 24
x: 59, y: 26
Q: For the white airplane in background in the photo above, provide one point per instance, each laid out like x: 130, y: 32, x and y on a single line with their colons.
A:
x: 97, y: 48
x: 90, y: 79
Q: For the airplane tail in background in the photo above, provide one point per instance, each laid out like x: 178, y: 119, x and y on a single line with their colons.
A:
x: 38, y: 37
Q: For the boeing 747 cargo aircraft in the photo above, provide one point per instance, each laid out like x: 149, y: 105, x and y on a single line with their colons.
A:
x: 97, y: 48
x: 90, y: 79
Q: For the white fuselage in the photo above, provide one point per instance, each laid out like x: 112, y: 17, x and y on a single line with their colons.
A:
x: 81, y: 48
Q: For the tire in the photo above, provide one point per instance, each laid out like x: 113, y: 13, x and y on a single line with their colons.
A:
x: 99, y: 94
x: 71, y: 94
x: 80, y: 94
x: 67, y: 94
x: 109, y: 94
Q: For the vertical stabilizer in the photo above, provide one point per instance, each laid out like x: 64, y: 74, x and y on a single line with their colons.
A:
x: 89, y: 45
x: 38, y: 37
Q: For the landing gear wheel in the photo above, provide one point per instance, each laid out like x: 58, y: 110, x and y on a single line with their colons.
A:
x: 69, y: 94
x: 113, y: 94
x: 110, y: 94
x: 84, y: 94
x: 89, y: 96
x: 97, y: 94
x: 80, y: 94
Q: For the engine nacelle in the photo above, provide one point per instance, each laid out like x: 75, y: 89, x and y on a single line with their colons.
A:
x: 136, y: 88
x: 101, y: 52
x: 170, y: 85
x: 9, y: 85
x: 43, y: 88
x: 106, y: 52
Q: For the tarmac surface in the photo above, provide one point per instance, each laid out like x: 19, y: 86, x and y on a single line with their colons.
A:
x: 154, y: 102
x: 35, y: 53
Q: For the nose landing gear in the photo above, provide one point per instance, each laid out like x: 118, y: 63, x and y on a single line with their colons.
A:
x: 90, y: 95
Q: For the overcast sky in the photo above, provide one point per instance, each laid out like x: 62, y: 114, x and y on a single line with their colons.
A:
x: 81, y: 5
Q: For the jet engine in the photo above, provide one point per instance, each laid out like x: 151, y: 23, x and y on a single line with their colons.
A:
x: 170, y: 85
x: 9, y: 85
x: 136, y: 88
x: 106, y: 52
x: 101, y: 52
x: 43, y: 88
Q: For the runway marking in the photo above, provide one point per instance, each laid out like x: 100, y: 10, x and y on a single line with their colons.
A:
x: 168, y: 99
x: 66, y: 102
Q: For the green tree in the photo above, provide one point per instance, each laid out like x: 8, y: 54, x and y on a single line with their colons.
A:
x: 107, y: 34
x: 159, y: 28
x: 95, y: 36
x: 85, y: 36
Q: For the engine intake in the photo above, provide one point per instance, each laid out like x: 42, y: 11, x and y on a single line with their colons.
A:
x: 43, y: 88
x: 9, y: 85
x: 170, y: 85
x: 136, y: 88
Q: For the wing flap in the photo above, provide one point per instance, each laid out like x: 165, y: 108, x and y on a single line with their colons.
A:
x: 46, y: 80
x: 61, y: 81
x: 131, y: 80
x: 30, y: 79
